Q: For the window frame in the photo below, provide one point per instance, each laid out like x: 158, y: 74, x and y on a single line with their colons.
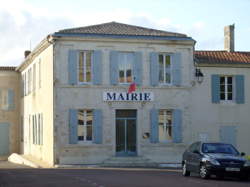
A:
x: 125, y: 70
x: 226, y: 89
x: 85, y: 127
x: 164, y: 83
x: 165, y: 125
x: 84, y: 82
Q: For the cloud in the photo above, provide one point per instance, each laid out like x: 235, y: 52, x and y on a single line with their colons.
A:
x: 23, y: 24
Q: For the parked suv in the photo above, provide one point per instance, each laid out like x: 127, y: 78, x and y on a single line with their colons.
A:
x: 214, y: 159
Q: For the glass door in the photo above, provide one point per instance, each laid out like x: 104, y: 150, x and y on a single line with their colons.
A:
x: 126, y: 132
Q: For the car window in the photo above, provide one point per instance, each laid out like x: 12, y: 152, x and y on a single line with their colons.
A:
x: 194, y: 146
x: 219, y: 148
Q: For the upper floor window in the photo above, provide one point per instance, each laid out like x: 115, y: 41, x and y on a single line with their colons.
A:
x: 6, y: 99
x: 85, y: 120
x: 226, y: 88
x: 164, y: 69
x: 85, y: 66
x: 165, y: 125
x: 125, y: 67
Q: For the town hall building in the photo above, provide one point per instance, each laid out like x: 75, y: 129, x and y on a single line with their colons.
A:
x: 69, y: 100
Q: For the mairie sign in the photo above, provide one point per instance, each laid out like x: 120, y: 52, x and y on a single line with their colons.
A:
x: 124, y: 96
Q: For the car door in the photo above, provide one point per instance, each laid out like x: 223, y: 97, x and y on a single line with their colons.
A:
x: 196, y: 158
x: 188, y: 157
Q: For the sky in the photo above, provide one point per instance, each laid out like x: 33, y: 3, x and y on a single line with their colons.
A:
x: 24, y: 23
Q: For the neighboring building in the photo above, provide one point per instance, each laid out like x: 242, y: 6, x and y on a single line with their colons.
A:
x: 9, y: 111
x: 76, y: 109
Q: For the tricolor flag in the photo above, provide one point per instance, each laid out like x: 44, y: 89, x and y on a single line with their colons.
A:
x: 132, y: 87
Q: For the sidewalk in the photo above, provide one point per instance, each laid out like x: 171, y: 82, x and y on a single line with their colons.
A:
x: 8, y: 165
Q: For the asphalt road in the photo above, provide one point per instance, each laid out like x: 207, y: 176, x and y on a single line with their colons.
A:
x: 24, y: 177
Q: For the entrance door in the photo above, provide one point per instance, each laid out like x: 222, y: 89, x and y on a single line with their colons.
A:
x: 125, y: 132
x: 4, y: 139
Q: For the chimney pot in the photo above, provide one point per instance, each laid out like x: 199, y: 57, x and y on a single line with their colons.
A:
x: 229, y: 38
x: 26, y: 53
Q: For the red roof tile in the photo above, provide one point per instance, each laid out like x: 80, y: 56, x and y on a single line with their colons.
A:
x: 222, y: 57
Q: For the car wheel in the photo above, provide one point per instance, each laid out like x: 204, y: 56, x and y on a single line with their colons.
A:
x: 204, y: 173
x: 185, y: 172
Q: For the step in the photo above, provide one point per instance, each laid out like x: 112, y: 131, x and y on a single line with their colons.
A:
x: 128, y: 162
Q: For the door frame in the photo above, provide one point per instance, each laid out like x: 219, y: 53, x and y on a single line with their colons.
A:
x: 136, y: 134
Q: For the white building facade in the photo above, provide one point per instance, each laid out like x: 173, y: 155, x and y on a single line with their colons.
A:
x: 76, y: 107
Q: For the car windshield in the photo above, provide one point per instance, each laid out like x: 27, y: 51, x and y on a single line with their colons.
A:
x: 219, y: 148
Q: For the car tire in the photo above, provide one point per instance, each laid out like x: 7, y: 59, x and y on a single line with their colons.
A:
x: 185, y: 172
x: 204, y: 173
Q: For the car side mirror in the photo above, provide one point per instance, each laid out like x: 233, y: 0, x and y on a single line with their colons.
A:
x: 196, y: 151
x: 242, y: 154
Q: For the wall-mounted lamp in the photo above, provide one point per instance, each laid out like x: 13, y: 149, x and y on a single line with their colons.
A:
x: 199, y: 75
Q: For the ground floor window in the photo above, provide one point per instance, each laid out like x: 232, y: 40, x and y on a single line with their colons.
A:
x: 37, y: 127
x: 165, y: 125
x: 85, y: 122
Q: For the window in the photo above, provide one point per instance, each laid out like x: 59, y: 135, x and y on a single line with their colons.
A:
x: 165, y: 125
x: 37, y: 124
x: 226, y: 88
x: 21, y: 128
x: 125, y: 67
x: 84, y: 67
x: 34, y: 77
x: 164, y: 69
x: 4, y: 105
x: 85, y: 121
x: 39, y: 74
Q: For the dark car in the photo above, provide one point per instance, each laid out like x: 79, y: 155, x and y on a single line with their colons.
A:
x: 218, y: 159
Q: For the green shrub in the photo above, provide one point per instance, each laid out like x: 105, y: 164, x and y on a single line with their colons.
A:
x: 248, y: 157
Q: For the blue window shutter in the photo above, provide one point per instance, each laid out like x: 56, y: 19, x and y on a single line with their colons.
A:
x: 97, y: 126
x: 154, y: 68
x: 11, y: 99
x: 154, y: 137
x: 177, y: 126
x: 228, y: 134
x: 240, y: 90
x: 97, y: 67
x: 113, y: 67
x: 176, y: 69
x: 72, y: 66
x: 138, y: 68
x: 4, y: 139
x: 215, y: 88
x: 73, y: 138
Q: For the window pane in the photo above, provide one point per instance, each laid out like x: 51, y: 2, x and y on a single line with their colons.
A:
x: 222, y: 96
x: 89, y: 132
x: 129, y: 75
x: 80, y: 66
x: 169, y: 132
x: 222, y: 80
x: 229, y: 80
x: 230, y: 88
x: 161, y: 132
x: 88, y: 66
x: 222, y: 88
x: 121, y: 76
x: 161, y: 69
x: 89, y: 117
x: 230, y: 96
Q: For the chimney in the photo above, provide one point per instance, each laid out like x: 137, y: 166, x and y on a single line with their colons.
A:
x: 26, y: 53
x: 229, y: 38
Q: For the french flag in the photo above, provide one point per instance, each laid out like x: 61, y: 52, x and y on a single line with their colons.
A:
x: 132, y: 87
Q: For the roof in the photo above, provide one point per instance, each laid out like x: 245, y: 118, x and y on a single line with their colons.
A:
x: 115, y: 28
x: 222, y: 57
x: 7, y: 68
